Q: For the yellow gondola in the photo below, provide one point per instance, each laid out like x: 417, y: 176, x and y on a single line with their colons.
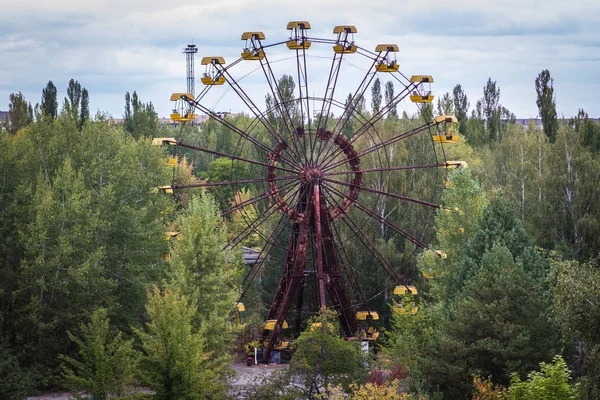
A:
x: 253, y: 50
x: 169, y: 235
x: 163, y: 141
x: 241, y: 307
x: 298, y: 39
x: 343, y: 44
x: 456, y: 164
x: 403, y: 289
x: 386, y: 63
x: 211, y: 75
x: 363, y: 315
x: 182, y: 111
x: 422, y: 94
x: 446, y: 131
x: 270, y: 325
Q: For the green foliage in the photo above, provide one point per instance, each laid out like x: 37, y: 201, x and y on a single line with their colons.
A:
x: 577, y: 309
x: 461, y: 107
x: 322, y: 357
x: 546, y: 103
x: 174, y: 360
x: 49, y: 105
x: 140, y: 119
x: 202, y: 271
x: 376, y: 96
x: 552, y: 382
x: 105, y: 364
x: 18, y: 111
x: 389, y: 97
x: 15, y: 383
x: 225, y: 170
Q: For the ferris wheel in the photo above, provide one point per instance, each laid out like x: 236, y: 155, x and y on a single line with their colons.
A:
x: 313, y: 159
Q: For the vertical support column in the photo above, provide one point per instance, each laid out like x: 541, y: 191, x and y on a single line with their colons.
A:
x: 319, y: 247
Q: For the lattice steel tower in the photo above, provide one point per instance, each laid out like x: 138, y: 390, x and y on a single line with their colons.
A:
x: 189, y: 52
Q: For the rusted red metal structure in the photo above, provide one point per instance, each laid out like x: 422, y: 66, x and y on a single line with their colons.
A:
x: 311, y: 172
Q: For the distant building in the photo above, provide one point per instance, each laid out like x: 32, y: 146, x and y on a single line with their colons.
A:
x: 4, y: 115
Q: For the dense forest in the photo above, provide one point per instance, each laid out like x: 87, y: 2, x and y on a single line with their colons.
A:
x: 92, y: 296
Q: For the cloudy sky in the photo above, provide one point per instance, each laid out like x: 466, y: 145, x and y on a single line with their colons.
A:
x: 114, y: 46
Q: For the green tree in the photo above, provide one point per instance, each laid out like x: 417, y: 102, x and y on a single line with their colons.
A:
x: 140, y: 119
x: 546, y: 103
x: 15, y: 383
x: 174, y: 360
x: 495, y: 316
x: 18, y: 113
x: 491, y: 109
x: 461, y: 107
x: 389, y: 97
x: 84, y: 113
x: 203, y: 271
x: 49, y: 105
x: 577, y: 309
x: 552, y: 382
x: 322, y: 361
x: 445, y: 105
x: 376, y: 96
x: 106, y: 363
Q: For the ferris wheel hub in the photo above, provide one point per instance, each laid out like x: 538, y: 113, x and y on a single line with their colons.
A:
x: 310, y: 175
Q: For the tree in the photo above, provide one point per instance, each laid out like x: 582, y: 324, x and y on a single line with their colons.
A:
x: 389, y: 97
x: 546, y: 103
x: 495, y: 316
x: 49, y: 105
x: 322, y: 363
x: 106, y: 363
x: 18, y: 113
x: 445, y: 105
x: 376, y: 96
x: 552, y: 382
x: 201, y: 270
x: 491, y: 109
x: 15, y: 383
x: 174, y: 361
x: 323, y: 358
x: 461, y: 107
x: 140, y: 119
x: 73, y: 98
x: 84, y: 114
x: 577, y: 309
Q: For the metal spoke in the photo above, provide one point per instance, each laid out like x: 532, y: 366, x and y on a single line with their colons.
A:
x: 385, y: 143
x: 386, y: 169
x: 396, y: 196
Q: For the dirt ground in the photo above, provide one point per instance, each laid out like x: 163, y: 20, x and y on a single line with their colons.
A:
x: 244, y: 377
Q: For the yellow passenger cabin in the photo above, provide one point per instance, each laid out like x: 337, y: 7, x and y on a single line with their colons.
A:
x: 182, y: 110
x: 410, y: 309
x: 270, y: 325
x: 387, y: 58
x: 253, y: 48
x: 446, y: 131
x: 345, y: 39
x: 422, y: 89
x: 164, y: 141
x: 363, y: 315
x: 298, y: 38
x: 172, y: 234
x: 401, y: 290
x: 212, y: 74
x: 456, y: 164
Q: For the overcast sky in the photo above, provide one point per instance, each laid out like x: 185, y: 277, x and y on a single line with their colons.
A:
x: 114, y: 46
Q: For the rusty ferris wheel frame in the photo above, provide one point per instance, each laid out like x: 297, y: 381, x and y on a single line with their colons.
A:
x: 312, y: 171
